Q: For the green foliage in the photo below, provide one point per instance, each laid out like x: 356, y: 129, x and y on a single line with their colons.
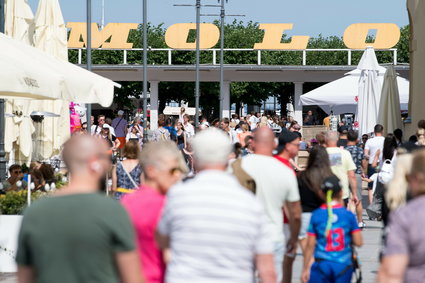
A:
x: 13, y: 202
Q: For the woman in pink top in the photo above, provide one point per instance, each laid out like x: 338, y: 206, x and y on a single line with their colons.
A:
x: 162, y: 168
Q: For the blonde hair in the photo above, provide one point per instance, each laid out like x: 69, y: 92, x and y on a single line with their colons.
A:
x: 420, y: 133
x: 244, y: 127
x: 395, y: 195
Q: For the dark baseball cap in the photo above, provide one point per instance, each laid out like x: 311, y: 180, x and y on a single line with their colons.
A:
x: 331, y: 183
x: 343, y: 130
x: 284, y: 138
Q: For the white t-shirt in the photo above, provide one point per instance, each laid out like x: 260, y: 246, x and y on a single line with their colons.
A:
x: 275, y: 184
x: 216, y: 228
x: 96, y: 130
x: 253, y: 121
x: 373, y: 145
x: 190, y: 130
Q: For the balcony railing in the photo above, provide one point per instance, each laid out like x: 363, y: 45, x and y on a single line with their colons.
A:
x: 302, y: 57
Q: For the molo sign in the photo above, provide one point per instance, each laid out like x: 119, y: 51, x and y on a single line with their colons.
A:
x: 115, y: 36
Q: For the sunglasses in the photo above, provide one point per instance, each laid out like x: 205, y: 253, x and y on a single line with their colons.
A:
x: 174, y: 170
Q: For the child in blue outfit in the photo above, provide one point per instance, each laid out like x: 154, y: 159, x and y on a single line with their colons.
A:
x: 332, y: 231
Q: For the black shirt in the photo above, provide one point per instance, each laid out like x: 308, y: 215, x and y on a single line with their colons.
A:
x: 310, y: 201
x: 342, y: 142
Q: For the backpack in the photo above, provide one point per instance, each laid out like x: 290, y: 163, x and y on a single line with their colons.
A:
x: 386, y: 173
x: 243, y: 177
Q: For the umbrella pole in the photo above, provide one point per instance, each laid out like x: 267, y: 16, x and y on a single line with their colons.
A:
x: 2, y: 114
x: 88, y: 60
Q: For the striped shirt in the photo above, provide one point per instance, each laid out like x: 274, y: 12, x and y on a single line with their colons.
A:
x: 216, y: 228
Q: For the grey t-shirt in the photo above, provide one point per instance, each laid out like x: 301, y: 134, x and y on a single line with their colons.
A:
x: 406, y: 237
x: 74, y: 239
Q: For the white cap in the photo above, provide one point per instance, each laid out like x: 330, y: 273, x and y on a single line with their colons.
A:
x: 120, y: 112
x: 211, y: 146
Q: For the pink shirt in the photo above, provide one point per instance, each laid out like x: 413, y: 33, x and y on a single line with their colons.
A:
x: 145, y: 208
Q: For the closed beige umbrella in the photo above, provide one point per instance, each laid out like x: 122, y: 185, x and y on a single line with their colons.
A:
x: 19, y: 22
x: 18, y: 25
x: 50, y: 35
x: 389, y: 114
x: 23, y: 77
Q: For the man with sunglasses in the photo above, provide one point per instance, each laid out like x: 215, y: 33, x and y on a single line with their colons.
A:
x: 97, y: 129
x: 14, y: 182
x: 78, y: 235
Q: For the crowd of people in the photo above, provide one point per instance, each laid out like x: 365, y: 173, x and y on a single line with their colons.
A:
x: 226, y: 202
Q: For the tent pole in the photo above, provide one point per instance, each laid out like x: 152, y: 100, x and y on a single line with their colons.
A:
x: 2, y: 114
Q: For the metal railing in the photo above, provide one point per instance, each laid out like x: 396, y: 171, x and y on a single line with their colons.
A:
x: 214, y: 51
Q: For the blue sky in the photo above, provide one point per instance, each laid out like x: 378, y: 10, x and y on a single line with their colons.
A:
x: 310, y: 17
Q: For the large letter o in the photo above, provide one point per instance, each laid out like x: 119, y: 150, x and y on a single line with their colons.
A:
x: 176, y: 36
x: 387, y: 36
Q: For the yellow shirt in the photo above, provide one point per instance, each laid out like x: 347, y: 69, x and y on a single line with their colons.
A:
x: 341, y: 163
x: 327, y: 121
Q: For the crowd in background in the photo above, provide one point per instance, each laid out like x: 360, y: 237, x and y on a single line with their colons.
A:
x: 228, y: 202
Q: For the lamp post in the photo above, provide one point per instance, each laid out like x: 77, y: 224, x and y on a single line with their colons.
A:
x: 222, y: 19
x: 145, y: 70
x: 2, y: 114
x: 197, y: 94
x: 102, y: 20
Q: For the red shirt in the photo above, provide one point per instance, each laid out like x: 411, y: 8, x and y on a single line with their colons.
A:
x: 144, y: 208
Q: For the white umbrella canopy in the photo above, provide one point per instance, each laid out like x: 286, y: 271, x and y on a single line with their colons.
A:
x: 23, y: 77
x: 389, y: 108
x: 369, y: 92
x: 340, y: 95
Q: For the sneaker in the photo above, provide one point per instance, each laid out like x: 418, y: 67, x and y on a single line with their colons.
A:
x: 362, y: 225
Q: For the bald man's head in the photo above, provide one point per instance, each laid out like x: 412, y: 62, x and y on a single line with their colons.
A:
x: 84, y: 154
x: 331, y: 138
x: 264, y: 141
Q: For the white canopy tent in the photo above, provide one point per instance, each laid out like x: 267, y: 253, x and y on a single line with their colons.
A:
x: 340, y: 95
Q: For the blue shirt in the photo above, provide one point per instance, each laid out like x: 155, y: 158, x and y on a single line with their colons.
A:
x: 336, y: 246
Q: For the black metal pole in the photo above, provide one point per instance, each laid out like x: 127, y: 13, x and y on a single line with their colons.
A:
x: 145, y: 70
x: 2, y: 114
x: 88, y: 58
x: 197, y: 95
x: 222, y: 15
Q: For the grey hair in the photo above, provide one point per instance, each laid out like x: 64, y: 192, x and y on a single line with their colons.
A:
x: 153, y: 154
x: 211, y: 147
x: 331, y: 136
